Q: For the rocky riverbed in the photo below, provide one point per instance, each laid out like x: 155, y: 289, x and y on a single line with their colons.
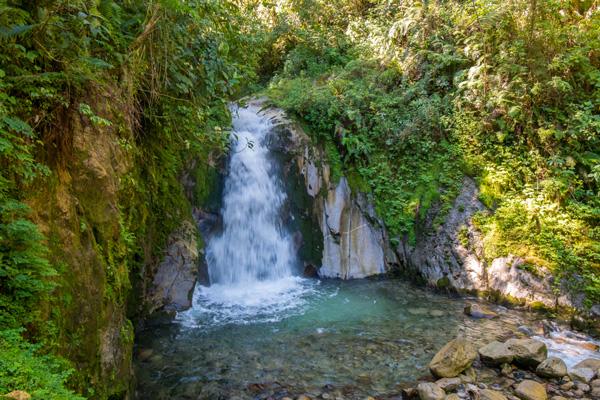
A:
x: 516, y: 369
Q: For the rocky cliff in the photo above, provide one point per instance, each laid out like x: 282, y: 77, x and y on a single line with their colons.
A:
x: 354, y: 239
x: 451, y: 255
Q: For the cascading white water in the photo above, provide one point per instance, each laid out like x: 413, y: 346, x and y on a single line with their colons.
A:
x: 251, y: 262
x: 253, y: 247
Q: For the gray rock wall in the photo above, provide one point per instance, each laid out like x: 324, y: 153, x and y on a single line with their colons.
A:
x: 355, y: 243
x: 452, y: 256
x: 176, y: 275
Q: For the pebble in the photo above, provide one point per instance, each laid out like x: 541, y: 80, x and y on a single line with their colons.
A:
x: 583, y: 386
x: 417, y: 311
x: 567, y: 386
x: 519, y: 375
x: 506, y: 369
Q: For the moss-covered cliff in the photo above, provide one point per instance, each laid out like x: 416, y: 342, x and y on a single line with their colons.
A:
x: 107, y: 210
x: 112, y: 118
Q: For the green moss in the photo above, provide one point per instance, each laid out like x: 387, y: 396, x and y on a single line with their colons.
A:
x: 356, y: 182
x: 463, y: 236
x: 443, y: 283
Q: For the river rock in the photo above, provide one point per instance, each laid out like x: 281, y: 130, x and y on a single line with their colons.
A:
x: 595, y: 393
x: 567, y: 386
x: 477, y: 311
x: 528, y: 352
x: 452, y: 359
x: 531, y: 390
x: 582, y: 374
x: 591, y: 363
x: 496, y: 353
x: 430, y: 391
x: 448, y: 384
x: 552, y: 367
x: 487, y: 394
x: 595, y: 383
x: 583, y: 387
x: 175, y: 277
x: 17, y: 395
x: 527, y: 331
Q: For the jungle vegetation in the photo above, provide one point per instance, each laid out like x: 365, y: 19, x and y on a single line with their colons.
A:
x: 408, y: 97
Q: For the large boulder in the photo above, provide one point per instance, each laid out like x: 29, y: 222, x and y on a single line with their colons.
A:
x: 176, y: 276
x: 452, y: 359
x: 531, y: 390
x: 552, y: 367
x: 496, y: 353
x: 527, y: 352
x: 487, y: 394
x: 430, y: 391
x: 584, y: 375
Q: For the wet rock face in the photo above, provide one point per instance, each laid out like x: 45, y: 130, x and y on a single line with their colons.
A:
x: 354, y: 240
x: 451, y: 255
x: 353, y: 247
x: 440, y: 254
x: 175, y: 277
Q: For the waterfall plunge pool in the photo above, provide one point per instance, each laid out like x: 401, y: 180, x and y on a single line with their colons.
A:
x: 261, y: 332
x: 357, y: 338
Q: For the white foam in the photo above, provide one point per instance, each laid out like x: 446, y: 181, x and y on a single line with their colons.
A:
x: 570, y: 349
x: 251, y: 261
x: 263, y: 301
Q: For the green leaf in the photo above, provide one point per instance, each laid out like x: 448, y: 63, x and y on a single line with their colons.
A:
x: 97, y: 62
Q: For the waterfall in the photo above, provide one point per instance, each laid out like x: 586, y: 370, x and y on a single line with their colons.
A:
x: 251, y: 262
x: 254, y: 246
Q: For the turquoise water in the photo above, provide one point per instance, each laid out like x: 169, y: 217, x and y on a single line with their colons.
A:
x: 350, y: 338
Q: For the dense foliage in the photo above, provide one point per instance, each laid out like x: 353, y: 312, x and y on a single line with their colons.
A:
x: 415, y: 95
x: 406, y: 97
x: 174, y: 66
